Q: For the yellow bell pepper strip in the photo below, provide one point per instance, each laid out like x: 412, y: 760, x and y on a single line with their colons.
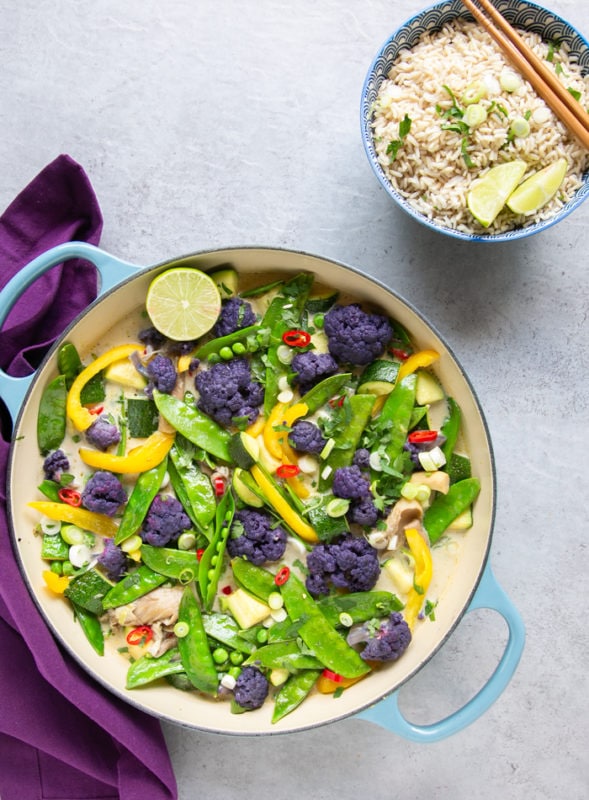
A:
x: 423, y: 358
x: 80, y: 416
x: 329, y: 682
x: 256, y: 428
x: 88, y: 520
x: 423, y: 575
x: 282, y: 508
x: 140, y: 459
x: 270, y: 435
x: 56, y: 583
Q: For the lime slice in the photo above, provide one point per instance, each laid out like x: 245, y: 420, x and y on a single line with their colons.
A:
x: 488, y: 194
x: 538, y: 189
x: 183, y: 303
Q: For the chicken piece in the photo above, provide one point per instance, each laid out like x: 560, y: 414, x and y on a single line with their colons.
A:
x: 159, y: 605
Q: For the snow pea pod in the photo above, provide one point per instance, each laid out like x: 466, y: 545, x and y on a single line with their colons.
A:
x: 293, y: 692
x: 211, y: 563
x: 347, y: 440
x: 180, y: 565
x: 145, y: 489
x: 197, y: 427
x: 284, y: 313
x: 192, y: 486
x: 284, y: 655
x: 147, y: 668
x: 360, y: 606
x: 194, y: 647
x: 225, y: 629
x: 51, y: 417
x: 446, y: 507
x: 69, y: 362
x: 92, y: 628
x: 251, y: 337
x: 318, y: 634
x: 138, y: 583
x: 256, y: 580
x: 323, y: 391
x: 396, y: 414
x: 451, y: 427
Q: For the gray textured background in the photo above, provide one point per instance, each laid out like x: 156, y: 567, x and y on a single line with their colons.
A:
x: 204, y: 124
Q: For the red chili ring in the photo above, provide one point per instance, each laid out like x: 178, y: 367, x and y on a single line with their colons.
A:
x: 332, y: 676
x: 422, y: 436
x: 141, y: 635
x: 282, y: 576
x: 287, y: 470
x: 200, y: 553
x: 400, y: 354
x: 70, y: 496
x: 296, y: 338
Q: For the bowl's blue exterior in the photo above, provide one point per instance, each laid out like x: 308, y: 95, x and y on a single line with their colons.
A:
x: 519, y: 13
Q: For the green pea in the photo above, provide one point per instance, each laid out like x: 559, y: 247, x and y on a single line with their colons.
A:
x: 239, y: 348
x: 226, y: 353
x: 262, y: 636
x: 57, y: 567
x: 236, y: 657
x: 235, y: 672
x: 214, y: 358
x: 220, y: 655
x: 67, y: 568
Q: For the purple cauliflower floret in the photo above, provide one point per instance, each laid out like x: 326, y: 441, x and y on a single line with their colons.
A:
x: 251, y: 688
x: 256, y: 537
x: 55, y: 465
x: 306, y: 437
x: 311, y: 367
x: 362, y: 458
x: 165, y: 521
x: 348, y: 563
x: 113, y: 560
x: 386, y: 640
x: 162, y: 375
x: 354, y: 336
x: 349, y: 483
x: 104, y: 493
x: 235, y: 315
x: 363, y: 511
x: 151, y: 337
x: 227, y: 392
x: 103, y: 433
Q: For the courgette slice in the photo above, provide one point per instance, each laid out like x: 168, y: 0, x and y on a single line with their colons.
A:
x: 428, y: 389
x: 88, y: 591
x: 226, y: 280
x: 142, y: 417
x: 245, y: 488
x: 321, y: 302
x: 244, y: 450
x: 379, y: 377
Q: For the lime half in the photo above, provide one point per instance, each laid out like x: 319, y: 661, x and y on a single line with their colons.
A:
x: 488, y: 194
x: 538, y: 189
x: 183, y: 303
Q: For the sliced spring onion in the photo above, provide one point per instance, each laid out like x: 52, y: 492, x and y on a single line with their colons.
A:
x: 228, y: 681
x: 474, y: 115
x: 346, y: 619
x: 50, y: 527
x: 186, y: 541
x: 275, y: 601
x: 474, y: 92
x: 71, y: 534
x: 285, y: 396
x: 181, y: 629
x: 337, y: 507
x: 285, y: 353
x: 80, y: 555
x: 131, y: 544
x: 328, y: 447
x: 520, y: 127
x: 307, y: 464
x: 432, y: 460
x: 509, y: 81
x: 541, y: 115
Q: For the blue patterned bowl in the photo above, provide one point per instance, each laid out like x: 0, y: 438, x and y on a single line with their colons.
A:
x: 520, y: 14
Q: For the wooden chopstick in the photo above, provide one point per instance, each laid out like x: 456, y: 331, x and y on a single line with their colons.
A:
x: 541, y: 77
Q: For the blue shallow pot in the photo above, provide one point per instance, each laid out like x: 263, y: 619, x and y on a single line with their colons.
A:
x: 468, y: 585
x: 520, y: 14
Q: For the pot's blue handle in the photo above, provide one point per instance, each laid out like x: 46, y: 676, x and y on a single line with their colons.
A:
x: 387, y: 714
x: 112, y: 272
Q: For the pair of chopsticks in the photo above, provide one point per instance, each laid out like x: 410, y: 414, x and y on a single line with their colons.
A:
x: 541, y: 77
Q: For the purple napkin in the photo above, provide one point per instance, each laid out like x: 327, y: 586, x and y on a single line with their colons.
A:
x: 62, y: 736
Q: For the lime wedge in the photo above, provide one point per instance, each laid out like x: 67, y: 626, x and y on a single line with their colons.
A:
x: 488, y: 194
x: 538, y: 189
x: 183, y: 303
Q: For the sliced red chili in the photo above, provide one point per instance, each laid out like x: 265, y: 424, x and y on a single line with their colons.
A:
x: 332, y: 676
x: 337, y: 401
x: 296, y: 338
x: 282, y: 576
x: 219, y: 485
x: 70, y: 496
x: 141, y: 635
x: 96, y: 410
x: 402, y: 355
x: 227, y: 590
x: 422, y: 436
x: 287, y: 470
x: 200, y: 553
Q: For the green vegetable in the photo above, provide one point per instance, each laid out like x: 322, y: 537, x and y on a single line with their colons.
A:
x: 148, y: 669
x: 361, y: 606
x: 69, y: 363
x: 446, y: 507
x: 346, y: 439
x: 181, y: 565
x: 227, y: 281
x: 192, y: 486
x: 197, y: 427
x: 323, y: 391
x: 396, y: 415
x: 88, y: 591
x: 146, y: 487
x: 256, y: 580
x: 211, y: 563
x: 250, y: 336
x: 225, y: 629
x: 51, y: 417
x: 326, y: 527
x: 283, y: 655
x: 142, y: 417
x: 92, y: 628
x: 244, y: 450
x: 194, y: 648
x: 396, y: 144
x: 293, y: 692
x: 137, y: 584
x: 54, y: 548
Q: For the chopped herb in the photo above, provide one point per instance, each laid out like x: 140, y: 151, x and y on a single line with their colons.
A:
x: 553, y: 47
x: 527, y: 114
x: 558, y: 68
x: 338, y: 692
x: 396, y: 144
x: 429, y: 610
x: 575, y: 93
x: 463, y: 149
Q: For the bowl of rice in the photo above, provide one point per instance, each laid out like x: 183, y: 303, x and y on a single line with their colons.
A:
x: 442, y: 107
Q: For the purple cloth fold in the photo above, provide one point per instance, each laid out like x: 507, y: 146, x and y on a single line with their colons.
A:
x: 62, y: 735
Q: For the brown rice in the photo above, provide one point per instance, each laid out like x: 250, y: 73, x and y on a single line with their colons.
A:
x: 429, y: 169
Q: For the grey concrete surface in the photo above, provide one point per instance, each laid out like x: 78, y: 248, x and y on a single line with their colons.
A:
x: 204, y: 124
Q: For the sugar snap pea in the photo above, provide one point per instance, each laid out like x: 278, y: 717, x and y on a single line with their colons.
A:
x: 180, y: 565
x: 197, y: 427
x: 145, y: 489
x: 138, y: 583
x: 211, y: 562
x: 192, y: 486
x: 92, y: 628
x: 69, y: 362
x: 225, y: 629
x: 292, y: 693
x: 148, y: 669
x: 256, y: 580
x: 347, y: 439
x: 323, y: 391
x: 360, y: 606
x: 396, y: 414
x: 451, y: 427
x: 318, y: 634
x: 247, y: 336
x: 194, y: 648
x: 283, y: 655
x: 51, y: 417
x: 446, y: 507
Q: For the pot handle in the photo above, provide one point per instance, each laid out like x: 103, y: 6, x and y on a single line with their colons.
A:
x: 387, y: 714
x: 112, y: 272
